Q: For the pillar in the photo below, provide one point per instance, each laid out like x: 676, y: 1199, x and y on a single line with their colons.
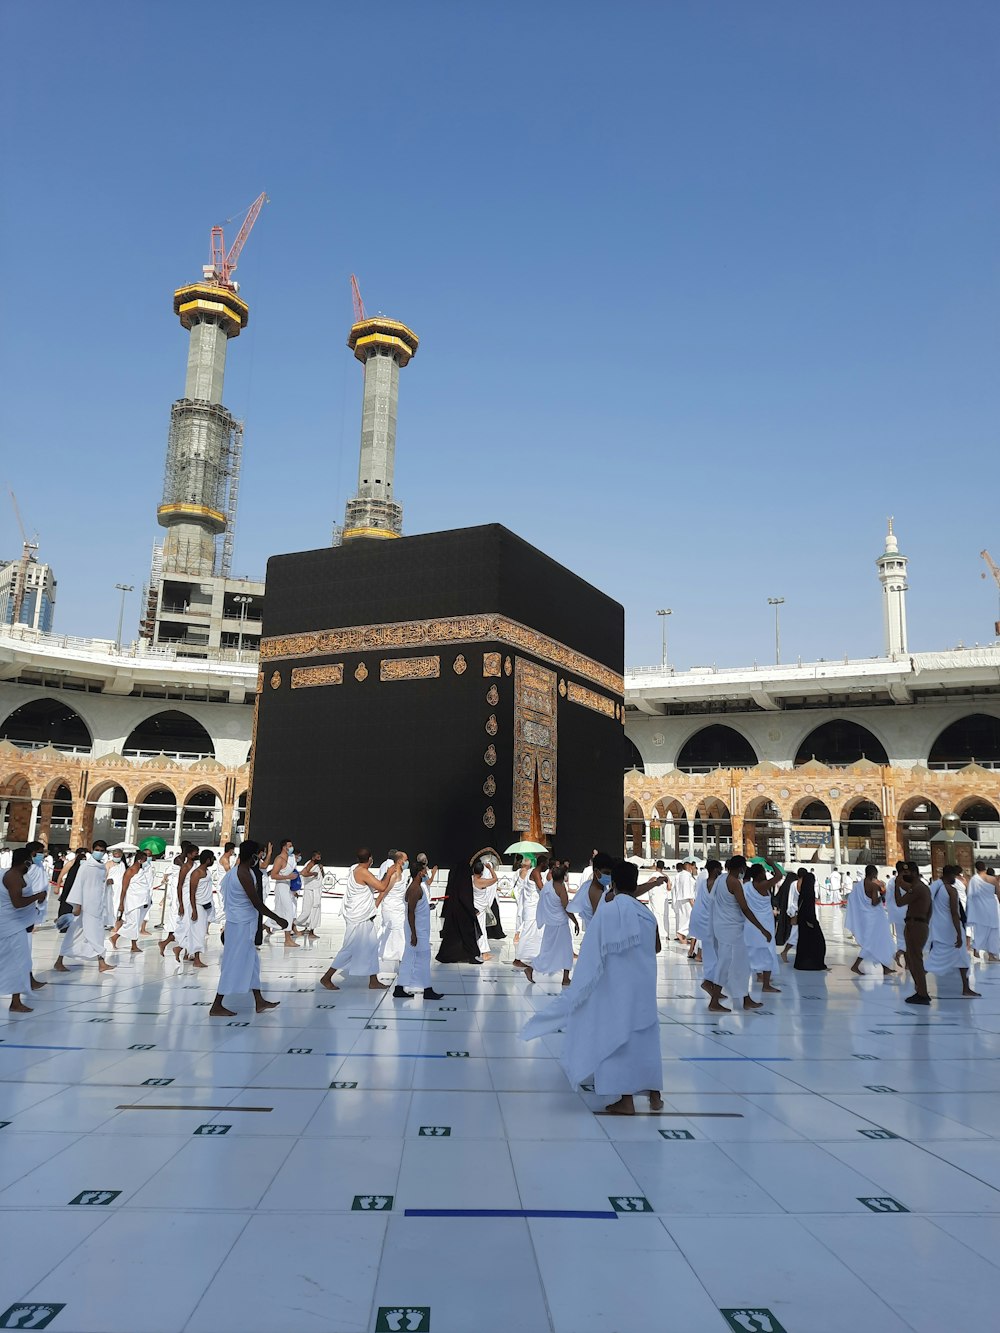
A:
x: 228, y: 833
x: 178, y: 823
x: 79, y: 833
x: 668, y: 838
x: 893, y: 852
x: 836, y: 842
x: 33, y: 822
x: 690, y: 839
x: 4, y: 807
x: 647, y: 843
x: 130, y: 828
x: 786, y: 825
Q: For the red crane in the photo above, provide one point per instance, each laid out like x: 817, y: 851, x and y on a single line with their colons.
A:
x: 223, y: 266
x: 359, y: 305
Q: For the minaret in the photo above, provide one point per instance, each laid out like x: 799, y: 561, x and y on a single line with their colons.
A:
x: 383, y: 346
x: 196, y: 479
x: 891, y: 568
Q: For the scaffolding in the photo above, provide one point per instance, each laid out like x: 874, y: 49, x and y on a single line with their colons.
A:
x: 150, y: 594
x: 204, y: 453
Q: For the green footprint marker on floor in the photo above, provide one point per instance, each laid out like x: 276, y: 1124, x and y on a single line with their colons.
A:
x: 750, y: 1320
x: 457, y: 1055
x: 403, y: 1319
x: 883, y: 1205
x: 372, y: 1203
x: 143, y: 1047
x: 213, y: 1129
x: 434, y: 1132
x: 156, y: 1082
x: 878, y: 1134
x: 342, y: 1084
x: 879, y: 1087
x: 676, y: 1134
x: 630, y: 1203
x: 89, y: 1198
x: 29, y: 1315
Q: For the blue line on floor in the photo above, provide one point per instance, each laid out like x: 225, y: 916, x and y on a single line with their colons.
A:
x: 27, y: 1046
x: 509, y: 1212
x: 382, y: 1055
x: 753, y: 1059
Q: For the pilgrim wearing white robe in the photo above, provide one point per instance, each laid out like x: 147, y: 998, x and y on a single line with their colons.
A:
x: 15, y: 943
x: 481, y: 899
x: 853, y: 912
x: 37, y: 880
x: 793, y: 910
x: 284, y: 899
x: 700, y: 926
x: 734, y: 961
x: 415, y: 969
x: 85, y: 937
x: 942, y: 955
x: 762, y: 953
x: 683, y: 897
x: 181, y: 891
x: 556, y: 952
x: 198, y: 929
x: 392, y: 936
x: 358, y: 956
x: 897, y: 915
x: 608, y: 1011
x: 136, y: 897
x: 113, y: 892
x: 580, y: 905
x: 311, y: 915
x: 983, y: 912
x: 658, y: 898
x: 240, y: 971
x: 530, y: 935
x: 872, y: 930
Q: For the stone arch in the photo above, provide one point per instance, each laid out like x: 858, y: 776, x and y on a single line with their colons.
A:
x: 106, y: 812
x: 56, y: 811
x: 919, y: 818
x: 635, y: 829
x: 671, y: 826
x: 15, y: 800
x: 633, y: 756
x: 47, y: 721
x: 763, y: 828
x: 156, y: 812
x: 840, y: 742
x: 980, y: 820
x: 716, y: 746
x: 240, y: 813
x: 713, y: 828
x: 170, y: 732
x: 863, y: 836
x: 201, y: 818
x: 974, y: 738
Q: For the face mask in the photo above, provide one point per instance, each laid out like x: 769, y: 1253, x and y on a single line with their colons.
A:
x: 98, y: 856
x: 604, y: 879
x: 37, y: 859
x: 117, y: 857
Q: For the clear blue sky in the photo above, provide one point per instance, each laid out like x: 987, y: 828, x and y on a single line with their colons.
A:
x: 704, y: 290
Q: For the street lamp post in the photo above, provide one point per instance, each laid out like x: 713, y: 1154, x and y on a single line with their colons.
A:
x: 243, y: 602
x: 663, y: 622
x: 124, y: 589
x: 777, y: 603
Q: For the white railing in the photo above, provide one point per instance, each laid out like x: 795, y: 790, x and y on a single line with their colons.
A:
x: 136, y: 653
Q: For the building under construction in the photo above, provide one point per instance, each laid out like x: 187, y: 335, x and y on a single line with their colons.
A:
x: 193, y: 605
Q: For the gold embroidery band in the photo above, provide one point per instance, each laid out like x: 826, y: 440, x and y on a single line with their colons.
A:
x: 579, y: 694
x: 409, y: 668
x: 440, y: 634
x: 305, y: 677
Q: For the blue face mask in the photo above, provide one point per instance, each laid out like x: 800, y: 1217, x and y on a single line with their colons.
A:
x: 98, y: 856
x: 604, y: 879
x: 37, y: 859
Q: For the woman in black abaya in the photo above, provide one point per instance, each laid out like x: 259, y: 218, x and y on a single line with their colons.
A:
x: 810, y: 955
x: 459, y: 924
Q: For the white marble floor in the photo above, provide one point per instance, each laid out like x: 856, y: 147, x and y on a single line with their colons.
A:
x: 350, y: 1162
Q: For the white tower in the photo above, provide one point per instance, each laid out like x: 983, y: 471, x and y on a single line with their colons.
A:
x: 891, y: 568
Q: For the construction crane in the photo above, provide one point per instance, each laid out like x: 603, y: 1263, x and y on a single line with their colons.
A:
x: 27, y: 551
x: 994, y: 569
x: 220, y: 272
x: 359, y: 305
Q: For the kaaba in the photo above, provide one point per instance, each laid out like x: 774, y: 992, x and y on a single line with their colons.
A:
x: 437, y: 693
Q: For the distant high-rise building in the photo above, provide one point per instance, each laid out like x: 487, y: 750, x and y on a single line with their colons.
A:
x: 37, y: 596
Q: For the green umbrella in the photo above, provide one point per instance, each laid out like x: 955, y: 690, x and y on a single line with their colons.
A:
x: 523, y: 847
x: 155, y: 845
x: 763, y: 861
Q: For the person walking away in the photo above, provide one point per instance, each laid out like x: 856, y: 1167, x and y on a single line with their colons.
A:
x: 556, y: 952
x: 608, y: 1012
x: 702, y: 931
x: 131, y: 899
x: 948, y: 951
x: 871, y: 924
x: 810, y: 952
x: 729, y: 912
x: 983, y: 912
x: 201, y: 909
x: 415, y: 969
x: 896, y: 914
x: 760, y: 942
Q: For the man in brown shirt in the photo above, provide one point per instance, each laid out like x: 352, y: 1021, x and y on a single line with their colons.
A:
x: 912, y: 893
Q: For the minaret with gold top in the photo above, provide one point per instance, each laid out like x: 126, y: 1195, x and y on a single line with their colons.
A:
x: 383, y: 346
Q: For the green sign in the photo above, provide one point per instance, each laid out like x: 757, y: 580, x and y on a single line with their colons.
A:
x: 630, y: 1203
x: 457, y: 1055
x: 300, y: 1050
x: 749, y: 1320
x: 408, y: 1318
x: 676, y: 1134
x: 372, y: 1203
x: 434, y: 1132
x: 213, y: 1129
x: 156, y: 1082
x: 30, y: 1314
x: 89, y: 1197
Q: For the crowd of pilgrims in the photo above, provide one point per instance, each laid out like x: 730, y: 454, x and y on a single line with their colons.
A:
x: 601, y: 942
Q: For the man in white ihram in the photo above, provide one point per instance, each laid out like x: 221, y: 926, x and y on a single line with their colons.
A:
x: 983, y: 913
x: 243, y: 904
x: 358, y: 954
x: 683, y: 896
x: 85, y: 938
